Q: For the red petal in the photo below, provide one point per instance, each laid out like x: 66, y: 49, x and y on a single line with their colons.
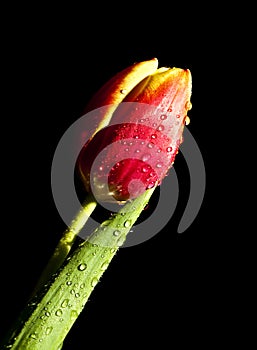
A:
x: 140, y: 146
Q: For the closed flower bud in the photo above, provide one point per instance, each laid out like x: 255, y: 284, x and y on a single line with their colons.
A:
x: 145, y: 127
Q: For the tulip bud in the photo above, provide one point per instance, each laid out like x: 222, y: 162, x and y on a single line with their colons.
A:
x: 138, y: 147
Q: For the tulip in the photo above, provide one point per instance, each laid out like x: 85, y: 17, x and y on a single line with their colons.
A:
x: 145, y: 119
x: 130, y: 151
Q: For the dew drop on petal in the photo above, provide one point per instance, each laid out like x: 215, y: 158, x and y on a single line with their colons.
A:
x: 187, y: 120
x: 188, y: 105
x: 160, y: 128
x: 153, y: 136
x: 150, y: 185
x: 159, y: 165
x: 169, y: 149
x: 163, y: 117
x: 123, y: 91
x: 146, y: 157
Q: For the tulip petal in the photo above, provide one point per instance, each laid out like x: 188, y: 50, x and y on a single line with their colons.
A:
x: 118, y: 87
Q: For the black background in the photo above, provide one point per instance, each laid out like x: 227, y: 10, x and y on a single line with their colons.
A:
x: 166, y: 289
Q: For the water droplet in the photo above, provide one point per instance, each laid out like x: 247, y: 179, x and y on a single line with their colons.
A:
x: 188, y: 105
x: 154, y: 125
x: 160, y: 128
x: 65, y: 303
x: 72, y: 291
x: 48, y: 314
x: 68, y: 283
x: 146, y: 157
x: 58, y: 313
x: 126, y: 149
x: 178, y: 116
x: 104, y: 265
x: 163, y: 117
x: 150, y: 145
x: 82, y: 285
x: 169, y: 149
x: 116, y: 233
x: 137, y: 151
x: 127, y: 223
x: 153, y: 136
x: 94, y: 282
x: 73, y: 314
x: 187, y: 120
x: 150, y: 185
x: 101, y: 168
x: 159, y: 165
x: 48, y: 330
x: 145, y: 169
x: 123, y: 91
x: 82, y: 267
x: 170, y: 109
x: 33, y: 336
x: 77, y: 295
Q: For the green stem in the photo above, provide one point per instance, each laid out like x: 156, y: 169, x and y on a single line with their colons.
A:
x: 49, y: 316
x: 65, y: 244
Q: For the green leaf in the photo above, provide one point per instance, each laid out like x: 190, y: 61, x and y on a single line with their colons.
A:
x: 51, y: 313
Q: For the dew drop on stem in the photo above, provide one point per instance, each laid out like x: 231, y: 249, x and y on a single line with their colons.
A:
x: 82, y: 267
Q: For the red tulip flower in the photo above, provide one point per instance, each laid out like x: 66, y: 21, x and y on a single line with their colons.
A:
x: 141, y: 130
